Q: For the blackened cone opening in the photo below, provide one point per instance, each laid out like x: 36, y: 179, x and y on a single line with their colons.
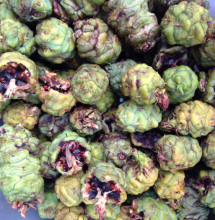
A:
x: 71, y: 155
x: 105, y: 187
x: 50, y: 81
x: 13, y: 77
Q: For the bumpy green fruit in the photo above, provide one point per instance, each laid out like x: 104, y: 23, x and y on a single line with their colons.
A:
x: 133, y: 21
x: 161, y: 6
x: 5, y: 11
x: 66, y: 213
x: 179, y: 26
x: 170, y: 185
x: 206, y: 187
x: 54, y: 39
x: 140, y: 173
x: 31, y: 10
x: 150, y: 209
x: 195, y: 118
x: 20, y: 178
x: 204, y: 54
x: 134, y: 118
x: 207, y: 86
x: 209, y: 151
x: 106, y: 101
x: 117, y: 148
x: 111, y: 212
x: 115, y: 71
x: 68, y: 189
x: 20, y: 137
x: 89, y: 83
x: 51, y: 126
x: 181, y: 83
x: 191, y: 207
x: 96, y: 42
x: 15, y: 36
x: 144, y: 85
x: 47, y: 208
x: 178, y: 152
x: 97, y: 152
x: 23, y: 114
x: 77, y: 9
x: 47, y: 170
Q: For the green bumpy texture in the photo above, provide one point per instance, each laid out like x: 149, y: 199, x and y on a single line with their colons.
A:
x: 68, y: 189
x: 170, y: 185
x: 143, y: 84
x: 204, y: 54
x: 79, y: 9
x: 134, y: 118
x: 15, y: 36
x: 206, y: 187
x: 21, y: 138
x: 86, y: 121
x: 96, y: 42
x: 191, y: 207
x: 54, y: 39
x: 178, y: 152
x: 115, y: 71
x: 55, y: 150
x: 111, y: 213
x: 20, y: 178
x: 207, y: 86
x: 51, y: 125
x: 152, y: 209
x: 5, y: 11
x: 16, y: 58
x: 179, y: 26
x: 97, y: 152
x: 105, y: 172
x: 47, y: 208
x: 47, y: 171
x: 160, y: 6
x: 133, y: 21
x: 89, y: 83
x: 117, y: 148
x: 66, y: 213
x: 194, y: 118
x: 23, y: 114
x: 181, y: 83
x: 140, y: 173
x: 208, y: 155
x: 33, y: 10
x: 106, y: 101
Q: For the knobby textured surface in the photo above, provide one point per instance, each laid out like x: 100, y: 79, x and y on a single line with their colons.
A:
x: 5, y: 208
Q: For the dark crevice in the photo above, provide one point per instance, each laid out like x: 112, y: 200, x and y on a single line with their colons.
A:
x: 109, y: 186
x: 70, y: 151
x: 13, y: 71
x: 52, y: 82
